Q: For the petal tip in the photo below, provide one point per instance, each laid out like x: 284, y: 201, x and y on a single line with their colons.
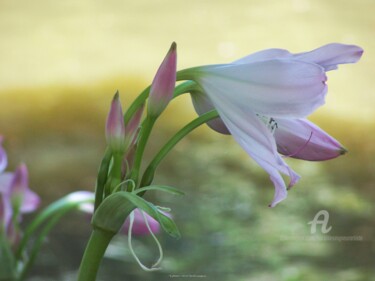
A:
x: 343, y: 151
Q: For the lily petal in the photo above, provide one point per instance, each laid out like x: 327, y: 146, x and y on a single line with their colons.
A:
x: 302, y: 139
x: 5, y: 212
x: 202, y: 104
x: 256, y: 139
x: 327, y: 56
x: 278, y: 88
x: 330, y: 55
x: 265, y: 55
x: 21, y: 196
x: 3, y: 156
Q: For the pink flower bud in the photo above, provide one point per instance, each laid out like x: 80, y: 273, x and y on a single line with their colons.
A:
x: 115, y: 127
x: 163, y: 84
x: 132, y: 128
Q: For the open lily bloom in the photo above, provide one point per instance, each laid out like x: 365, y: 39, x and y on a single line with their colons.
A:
x: 16, y: 196
x: 263, y: 99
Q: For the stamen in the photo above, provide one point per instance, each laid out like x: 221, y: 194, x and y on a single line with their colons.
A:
x: 301, y: 148
x: 145, y: 268
x: 156, y: 241
x: 269, y: 122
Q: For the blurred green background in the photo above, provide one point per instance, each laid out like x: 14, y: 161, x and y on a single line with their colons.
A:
x: 62, y: 61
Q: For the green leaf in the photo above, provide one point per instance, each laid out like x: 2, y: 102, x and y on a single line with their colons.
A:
x: 113, y: 211
x: 7, y: 262
x: 164, y: 188
x: 167, y: 223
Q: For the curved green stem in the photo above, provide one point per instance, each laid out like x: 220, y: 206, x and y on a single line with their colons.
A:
x: 65, y: 204
x: 94, y: 253
x: 37, y: 244
x: 147, y: 125
x: 55, y: 212
x: 102, y: 177
x: 183, y: 88
x: 150, y: 170
x: 137, y: 103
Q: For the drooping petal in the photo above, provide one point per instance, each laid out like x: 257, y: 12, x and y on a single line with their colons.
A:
x: 278, y: 88
x: 330, y: 55
x: 302, y: 139
x: 3, y: 156
x: 22, y: 198
x: 256, y: 139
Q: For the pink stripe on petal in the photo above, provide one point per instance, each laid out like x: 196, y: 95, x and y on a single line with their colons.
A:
x: 302, y: 139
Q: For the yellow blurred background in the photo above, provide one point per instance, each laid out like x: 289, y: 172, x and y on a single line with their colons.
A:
x: 62, y: 61
x: 77, y: 42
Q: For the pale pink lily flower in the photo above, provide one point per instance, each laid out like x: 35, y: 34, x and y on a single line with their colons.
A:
x: 15, y: 198
x: 162, y: 87
x: 262, y: 100
x: 21, y: 196
x: 115, y: 126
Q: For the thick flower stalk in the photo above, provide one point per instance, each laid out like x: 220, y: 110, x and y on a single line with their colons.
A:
x: 263, y: 100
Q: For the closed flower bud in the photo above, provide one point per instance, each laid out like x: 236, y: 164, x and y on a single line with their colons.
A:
x: 162, y: 87
x: 115, y: 127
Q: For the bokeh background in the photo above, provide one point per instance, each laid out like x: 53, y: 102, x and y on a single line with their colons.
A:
x: 62, y: 61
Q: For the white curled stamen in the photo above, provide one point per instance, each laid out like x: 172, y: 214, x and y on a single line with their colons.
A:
x: 145, y: 268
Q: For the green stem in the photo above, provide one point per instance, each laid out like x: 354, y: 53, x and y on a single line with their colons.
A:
x: 67, y: 203
x: 137, y: 103
x: 102, y: 177
x: 147, y: 125
x: 94, y: 253
x: 38, y: 243
x: 150, y: 170
x: 116, y: 171
x: 184, y: 88
x: 140, y: 100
